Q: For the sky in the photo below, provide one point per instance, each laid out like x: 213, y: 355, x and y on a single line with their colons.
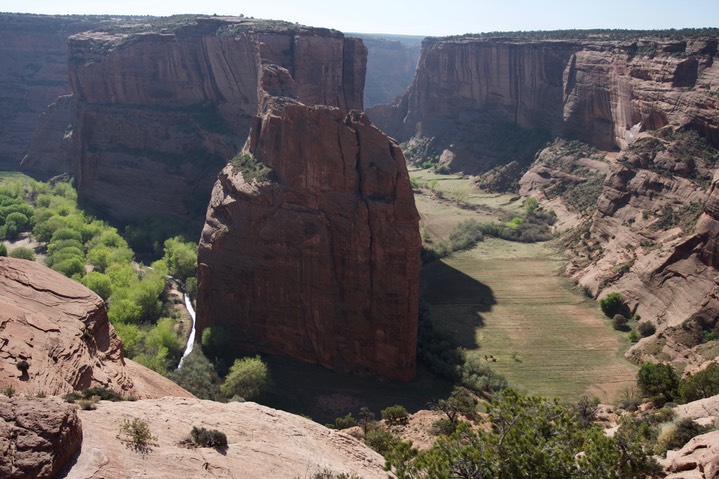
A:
x: 415, y: 17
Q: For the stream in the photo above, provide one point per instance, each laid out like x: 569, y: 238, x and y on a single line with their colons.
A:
x: 191, y: 339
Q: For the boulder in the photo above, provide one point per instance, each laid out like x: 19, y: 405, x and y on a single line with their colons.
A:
x: 38, y: 437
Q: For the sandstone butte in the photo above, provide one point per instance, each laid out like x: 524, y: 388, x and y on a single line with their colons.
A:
x: 321, y: 261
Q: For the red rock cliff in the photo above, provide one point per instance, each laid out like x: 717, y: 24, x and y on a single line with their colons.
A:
x: 33, y: 76
x: 601, y: 91
x: 159, y: 112
x: 322, y: 262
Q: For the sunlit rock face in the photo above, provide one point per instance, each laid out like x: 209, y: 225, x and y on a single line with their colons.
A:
x: 158, y: 112
x: 473, y: 94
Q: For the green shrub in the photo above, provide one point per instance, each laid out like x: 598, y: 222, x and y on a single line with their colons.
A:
x: 680, y: 434
x: 612, y: 304
x: 136, y: 433
x: 203, y: 437
x: 465, y: 235
x: 99, y: 283
x: 700, y: 385
x: 252, y: 169
x: 345, y: 422
x: 657, y: 382
x: 646, y: 329
x: 395, y: 414
x: 3, y: 249
x: 619, y: 322
x: 23, y: 253
x: 248, y: 378
x: 198, y: 376
x: 381, y: 440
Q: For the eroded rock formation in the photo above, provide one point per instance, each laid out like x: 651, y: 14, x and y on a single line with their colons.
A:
x: 320, y: 262
x: 55, y: 337
x: 603, y: 92
x: 38, y: 437
x: 159, y: 112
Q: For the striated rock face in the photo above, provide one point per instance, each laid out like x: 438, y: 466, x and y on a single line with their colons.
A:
x: 33, y: 75
x: 321, y: 263
x: 262, y: 443
x: 603, y: 92
x: 60, y: 328
x: 38, y: 437
x: 159, y: 112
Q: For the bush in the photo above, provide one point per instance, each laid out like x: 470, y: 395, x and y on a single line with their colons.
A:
x: 657, y: 382
x: 252, y: 169
x: 646, y: 329
x: 395, y: 414
x: 181, y: 258
x: 381, y: 440
x: 3, y: 249
x: 22, y: 366
x: 612, y: 304
x: 202, y: 437
x: 700, y: 385
x: 88, y: 404
x: 198, y: 376
x: 619, y: 322
x: 248, y: 378
x: 465, y: 235
x: 479, y: 377
x: 680, y: 434
x: 136, y: 433
x: 23, y: 253
x: 345, y: 422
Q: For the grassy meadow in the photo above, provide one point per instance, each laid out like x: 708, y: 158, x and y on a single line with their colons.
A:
x: 508, y: 302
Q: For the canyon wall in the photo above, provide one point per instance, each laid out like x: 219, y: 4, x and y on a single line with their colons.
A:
x: 159, y: 110
x: 33, y: 79
x: 318, y: 259
x: 391, y: 63
x: 476, y: 95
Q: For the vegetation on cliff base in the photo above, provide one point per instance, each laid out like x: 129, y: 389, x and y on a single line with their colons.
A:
x: 93, y: 253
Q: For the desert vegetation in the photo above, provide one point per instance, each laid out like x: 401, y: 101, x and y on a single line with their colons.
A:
x: 94, y: 253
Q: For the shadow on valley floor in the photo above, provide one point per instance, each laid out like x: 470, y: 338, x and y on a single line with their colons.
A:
x: 461, y: 298
x: 323, y: 395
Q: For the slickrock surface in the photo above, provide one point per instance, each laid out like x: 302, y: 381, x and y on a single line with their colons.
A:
x: 38, y: 437
x: 262, y: 443
x: 322, y: 263
x: 698, y: 459
x: 60, y: 328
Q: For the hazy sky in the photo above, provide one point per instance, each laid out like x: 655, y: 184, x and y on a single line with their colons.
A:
x: 417, y: 17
